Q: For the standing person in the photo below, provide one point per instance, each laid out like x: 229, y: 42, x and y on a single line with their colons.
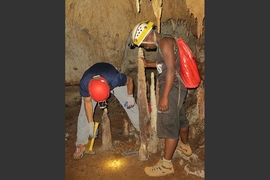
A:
x: 171, y: 118
x: 96, y: 84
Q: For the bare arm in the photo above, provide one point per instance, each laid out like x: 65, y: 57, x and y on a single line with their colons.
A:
x: 149, y: 64
x: 129, y: 85
x: 167, y: 47
x: 88, y: 108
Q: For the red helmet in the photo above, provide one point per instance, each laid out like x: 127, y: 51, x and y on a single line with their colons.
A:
x: 99, y: 89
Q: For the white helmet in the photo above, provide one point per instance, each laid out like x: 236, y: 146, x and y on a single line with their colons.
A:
x: 140, y: 31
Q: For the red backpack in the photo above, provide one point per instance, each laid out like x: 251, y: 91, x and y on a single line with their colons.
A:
x: 188, y: 68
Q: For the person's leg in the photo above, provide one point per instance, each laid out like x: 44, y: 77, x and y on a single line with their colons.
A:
x: 133, y: 113
x: 170, y: 145
x: 168, y: 127
x: 83, y: 131
x: 184, y: 126
x: 184, y: 134
x: 183, y: 144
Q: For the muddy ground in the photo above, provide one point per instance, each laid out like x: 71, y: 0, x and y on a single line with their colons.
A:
x: 114, y: 164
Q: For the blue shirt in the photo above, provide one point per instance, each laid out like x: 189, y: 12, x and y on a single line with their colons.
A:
x: 109, y: 72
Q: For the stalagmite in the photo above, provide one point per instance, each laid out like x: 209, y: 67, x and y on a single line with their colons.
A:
x: 125, y: 131
x: 157, y: 7
x: 153, y: 103
x: 143, y: 108
x: 106, y: 131
x: 154, y: 140
x: 200, y: 100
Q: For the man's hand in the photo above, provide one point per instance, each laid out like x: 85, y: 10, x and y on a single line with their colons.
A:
x: 130, y: 102
x: 92, y: 129
x: 144, y: 62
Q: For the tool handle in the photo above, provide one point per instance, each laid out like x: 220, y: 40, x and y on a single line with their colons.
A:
x: 93, y: 139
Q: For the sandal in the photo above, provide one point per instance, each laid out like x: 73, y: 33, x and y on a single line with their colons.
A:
x: 78, y: 154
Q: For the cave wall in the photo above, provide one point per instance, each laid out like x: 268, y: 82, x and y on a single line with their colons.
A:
x: 97, y: 31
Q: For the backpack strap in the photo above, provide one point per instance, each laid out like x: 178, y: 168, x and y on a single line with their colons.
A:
x: 179, y: 89
x: 167, y: 35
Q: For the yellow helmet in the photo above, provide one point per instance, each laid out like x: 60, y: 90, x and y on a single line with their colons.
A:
x: 140, y: 31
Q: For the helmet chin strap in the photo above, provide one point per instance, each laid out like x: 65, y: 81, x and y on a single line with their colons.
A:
x: 155, y: 39
x: 154, y: 42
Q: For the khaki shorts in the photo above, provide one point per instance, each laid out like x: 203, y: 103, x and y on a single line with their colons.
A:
x: 169, y: 122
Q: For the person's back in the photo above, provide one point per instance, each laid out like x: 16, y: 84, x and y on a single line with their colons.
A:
x: 108, y: 71
x: 162, y: 67
x: 96, y: 84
